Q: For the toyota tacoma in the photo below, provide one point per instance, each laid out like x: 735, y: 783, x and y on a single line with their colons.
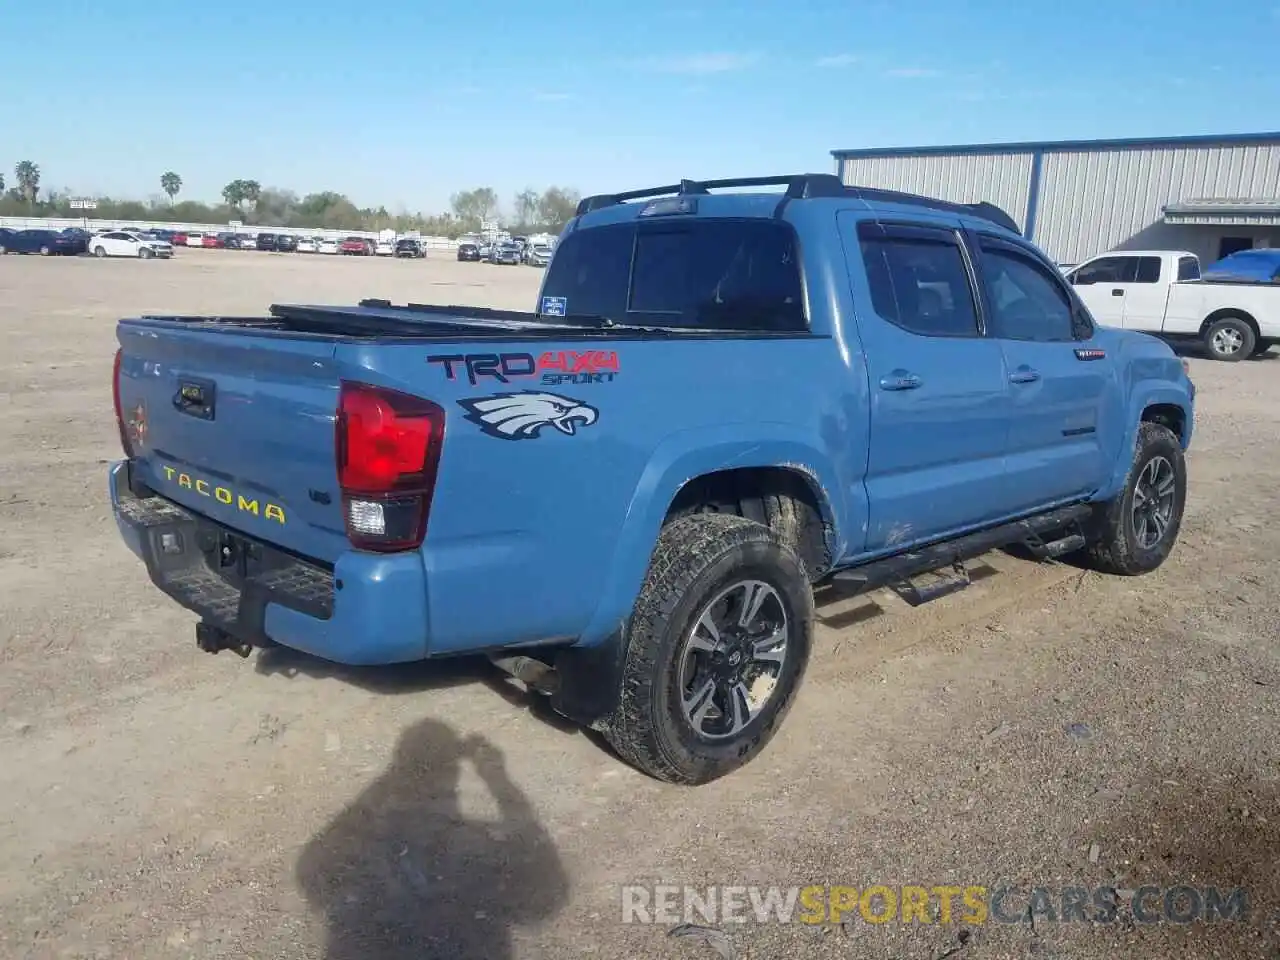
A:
x: 727, y: 393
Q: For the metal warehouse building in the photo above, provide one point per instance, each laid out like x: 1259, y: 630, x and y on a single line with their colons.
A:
x: 1211, y: 195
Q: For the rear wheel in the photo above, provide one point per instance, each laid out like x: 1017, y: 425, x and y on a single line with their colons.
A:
x: 1136, y: 531
x: 99, y: 251
x: 717, y: 646
x: 45, y: 251
x: 1230, y: 338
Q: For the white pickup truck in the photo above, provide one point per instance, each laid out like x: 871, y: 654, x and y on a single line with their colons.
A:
x: 1160, y: 291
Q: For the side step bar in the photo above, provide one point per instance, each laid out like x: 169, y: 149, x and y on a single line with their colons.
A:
x: 896, y: 571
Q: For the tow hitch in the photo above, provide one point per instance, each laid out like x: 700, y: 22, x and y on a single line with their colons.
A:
x: 213, y: 639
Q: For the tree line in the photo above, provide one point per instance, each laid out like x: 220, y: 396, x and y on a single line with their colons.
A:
x: 248, y: 201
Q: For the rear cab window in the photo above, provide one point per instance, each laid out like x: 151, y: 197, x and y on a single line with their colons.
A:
x: 1188, y: 268
x: 710, y: 274
x: 1148, y: 270
x: 918, y: 279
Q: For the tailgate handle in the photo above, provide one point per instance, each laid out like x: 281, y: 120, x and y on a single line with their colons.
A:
x: 195, y: 398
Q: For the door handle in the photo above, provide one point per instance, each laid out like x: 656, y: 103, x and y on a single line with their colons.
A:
x: 1025, y: 375
x: 1117, y: 292
x: 900, y: 380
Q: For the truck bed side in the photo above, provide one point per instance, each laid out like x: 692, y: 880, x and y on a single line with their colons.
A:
x: 559, y: 456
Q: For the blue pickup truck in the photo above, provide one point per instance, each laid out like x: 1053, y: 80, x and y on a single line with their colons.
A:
x: 729, y: 392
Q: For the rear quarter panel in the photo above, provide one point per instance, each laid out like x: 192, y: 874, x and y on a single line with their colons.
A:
x: 548, y: 536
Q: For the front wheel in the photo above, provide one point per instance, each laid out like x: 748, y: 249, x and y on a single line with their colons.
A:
x: 717, y: 646
x: 45, y: 251
x: 1230, y: 338
x: 1136, y: 531
x: 99, y: 251
x: 146, y: 253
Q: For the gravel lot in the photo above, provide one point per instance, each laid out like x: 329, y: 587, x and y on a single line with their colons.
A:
x: 1045, y: 728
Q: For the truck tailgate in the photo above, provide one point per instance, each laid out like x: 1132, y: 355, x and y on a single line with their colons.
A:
x: 237, y: 425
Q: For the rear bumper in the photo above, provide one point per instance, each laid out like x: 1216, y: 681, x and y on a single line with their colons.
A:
x: 369, y: 609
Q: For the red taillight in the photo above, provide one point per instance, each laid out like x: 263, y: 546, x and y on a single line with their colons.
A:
x: 388, y: 449
x: 115, y: 399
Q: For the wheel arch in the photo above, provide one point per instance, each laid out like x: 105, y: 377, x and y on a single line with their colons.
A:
x: 691, y: 462
x: 753, y: 492
x: 1164, y: 404
x: 1167, y: 414
x: 1230, y: 313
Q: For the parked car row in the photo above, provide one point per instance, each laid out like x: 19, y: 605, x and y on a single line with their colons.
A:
x: 47, y: 243
x: 161, y: 243
x: 74, y: 240
x: 515, y: 251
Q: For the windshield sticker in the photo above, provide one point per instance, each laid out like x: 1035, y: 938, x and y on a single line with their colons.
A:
x: 555, y: 306
x: 521, y: 416
x: 551, y: 367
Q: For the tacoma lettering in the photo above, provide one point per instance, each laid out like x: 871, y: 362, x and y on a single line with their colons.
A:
x: 225, y: 496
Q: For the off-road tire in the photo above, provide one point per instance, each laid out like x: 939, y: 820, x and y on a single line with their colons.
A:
x: 1114, y: 547
x: 1241, y: 328
x: 696, y: 557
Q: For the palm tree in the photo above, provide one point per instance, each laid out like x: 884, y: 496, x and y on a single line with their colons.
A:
x: 28, y: 175
x: 170, y: 183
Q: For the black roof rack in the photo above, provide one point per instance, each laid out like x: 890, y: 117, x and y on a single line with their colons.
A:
x: 803, y: 186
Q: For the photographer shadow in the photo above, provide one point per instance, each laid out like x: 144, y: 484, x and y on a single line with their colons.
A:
x: 415, y: 677
x: 403, y: 873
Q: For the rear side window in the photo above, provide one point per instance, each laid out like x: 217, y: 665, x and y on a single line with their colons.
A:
x: 699, y: 274
x: 1148, y: 270
x: 920, y: 283
x: 1188, y: 268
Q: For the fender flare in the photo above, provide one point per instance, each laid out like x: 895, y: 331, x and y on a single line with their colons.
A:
x: 680, y: 458
x: 1140, y: 400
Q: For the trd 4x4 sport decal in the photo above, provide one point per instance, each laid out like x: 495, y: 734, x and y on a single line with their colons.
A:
x: 521, y: 416
x: 552, y: 367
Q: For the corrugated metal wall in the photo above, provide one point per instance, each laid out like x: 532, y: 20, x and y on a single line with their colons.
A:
x: 999, y: 178
x: 1092, y: 201
x: 1089, y: 200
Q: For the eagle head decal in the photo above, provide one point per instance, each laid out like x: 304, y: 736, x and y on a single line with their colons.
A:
x: 521, y: 416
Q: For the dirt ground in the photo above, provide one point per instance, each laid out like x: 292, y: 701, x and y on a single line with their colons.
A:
x: 1045, y: 728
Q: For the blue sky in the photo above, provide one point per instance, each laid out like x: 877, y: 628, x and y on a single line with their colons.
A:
x: 402, y: 104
